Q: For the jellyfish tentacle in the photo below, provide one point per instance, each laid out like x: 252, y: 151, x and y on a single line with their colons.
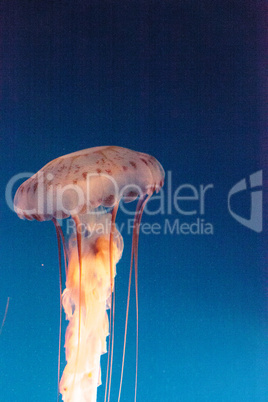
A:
x: 136, y: 237
x: 114, y: 212
x: 64, y: 247
x: 5, y: 315
x: 112, y: 308
x: 79, y: 251
x: 128, y: 299
x: 57, y: 226
x: 137, y: 219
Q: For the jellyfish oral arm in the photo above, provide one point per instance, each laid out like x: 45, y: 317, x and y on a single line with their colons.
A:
x: 85, y: 301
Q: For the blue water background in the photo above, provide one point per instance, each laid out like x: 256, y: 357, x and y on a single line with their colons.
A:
x: 181, y: 80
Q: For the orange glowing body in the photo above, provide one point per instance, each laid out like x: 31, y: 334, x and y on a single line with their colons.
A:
x: 82, y: 373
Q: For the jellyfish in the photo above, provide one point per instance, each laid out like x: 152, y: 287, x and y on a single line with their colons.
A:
x: 88, y: 186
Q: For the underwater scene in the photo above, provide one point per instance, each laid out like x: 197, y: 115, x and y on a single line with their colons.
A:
x: 133, y: 203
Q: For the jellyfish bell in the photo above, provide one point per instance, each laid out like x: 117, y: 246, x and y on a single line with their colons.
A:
x: 81, y: 181
x: 88, y: 186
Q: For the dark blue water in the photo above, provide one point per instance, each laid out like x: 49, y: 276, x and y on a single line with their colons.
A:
x: 181, y: 81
